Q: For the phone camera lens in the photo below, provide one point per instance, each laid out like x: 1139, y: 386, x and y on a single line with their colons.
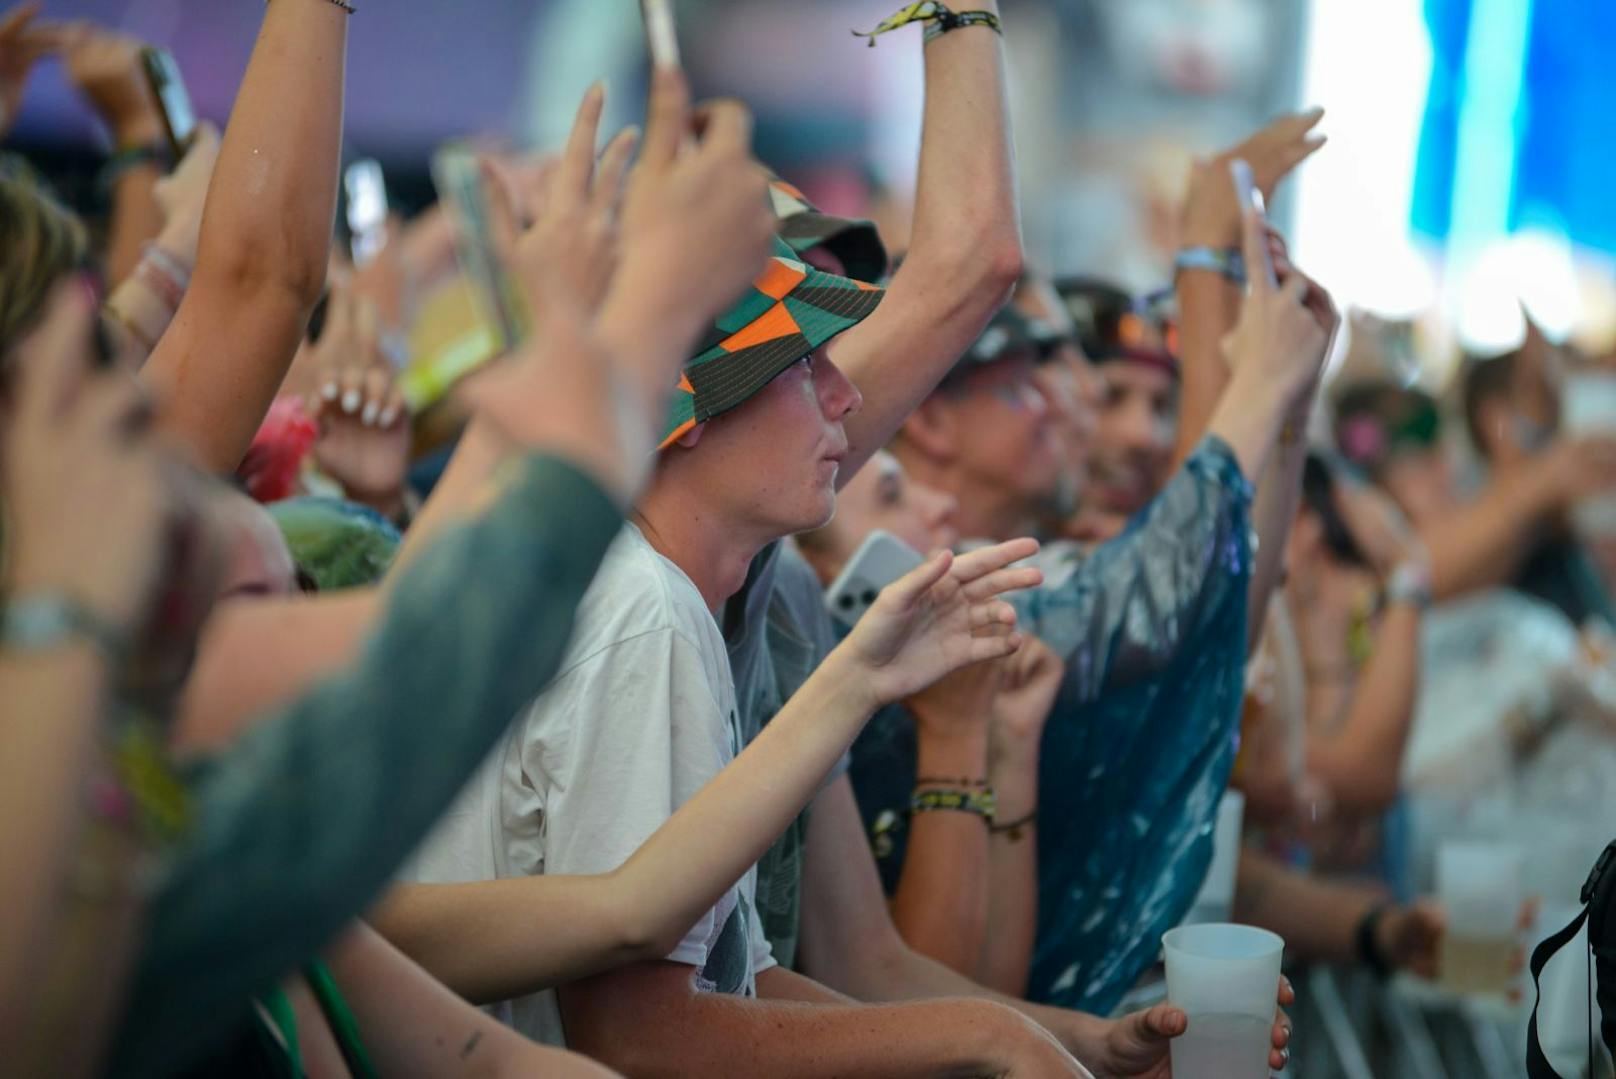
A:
x: 845, y: 603
x: 868, y: 597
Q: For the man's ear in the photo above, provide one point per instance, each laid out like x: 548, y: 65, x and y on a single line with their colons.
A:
x: 689, y: 439
x: 931, y: 429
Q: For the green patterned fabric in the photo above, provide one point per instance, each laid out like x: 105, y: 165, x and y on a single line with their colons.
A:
x: 790, y: 310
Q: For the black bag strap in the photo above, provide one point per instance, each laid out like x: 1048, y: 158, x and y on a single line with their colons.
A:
x: 1537, y: 1065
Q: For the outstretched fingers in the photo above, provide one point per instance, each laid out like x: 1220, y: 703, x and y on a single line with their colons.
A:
x: 978, y: 564
x: 1001, y: 581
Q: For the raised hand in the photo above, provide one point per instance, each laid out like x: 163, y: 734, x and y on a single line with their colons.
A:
x: 23, y: 42
x: 364, y: 440
x: 78, y: 472
x: 1032, y: 681
x: 567, y: 251
x: 961, y: 702
x: 696, y: 223
x: 105, y: 66
x: 1284, y: 331
x: 1382, y: 532
x: 940, y: 617
x: 183, y: 192
x: 1211, y: 214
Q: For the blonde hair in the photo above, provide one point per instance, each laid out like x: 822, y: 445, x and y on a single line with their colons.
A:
x: 40, y: 242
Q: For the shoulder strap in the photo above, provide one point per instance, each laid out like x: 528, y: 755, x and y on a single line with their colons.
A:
x: 1537, y: 1065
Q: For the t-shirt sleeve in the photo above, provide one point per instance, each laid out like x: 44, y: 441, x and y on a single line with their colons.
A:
x: 618, y: 743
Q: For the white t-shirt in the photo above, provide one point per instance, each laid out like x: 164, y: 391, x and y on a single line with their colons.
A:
x: 640, y: 716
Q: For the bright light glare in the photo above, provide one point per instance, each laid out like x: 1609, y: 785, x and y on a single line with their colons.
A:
x: 1534, y: 270
x: 1369, y: 64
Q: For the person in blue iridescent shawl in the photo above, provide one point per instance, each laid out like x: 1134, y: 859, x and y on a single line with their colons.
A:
x: 1153, y: 624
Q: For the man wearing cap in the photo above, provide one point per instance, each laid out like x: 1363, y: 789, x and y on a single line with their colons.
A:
x: 1136, y: 416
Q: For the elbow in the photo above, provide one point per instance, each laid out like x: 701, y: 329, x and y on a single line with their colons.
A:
x: 639, y: 933
x: 252, y: 270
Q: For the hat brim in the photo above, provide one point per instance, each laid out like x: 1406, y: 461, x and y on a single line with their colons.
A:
x: 856, y: 244
x: 733, y: 370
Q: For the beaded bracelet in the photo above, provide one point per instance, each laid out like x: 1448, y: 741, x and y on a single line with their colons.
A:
x: 982, y: 803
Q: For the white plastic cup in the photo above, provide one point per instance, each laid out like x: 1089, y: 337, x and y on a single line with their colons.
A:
x: 1215, y: 901
x: 1226, y: 979
x: 1480, y: 888
x: 1588, y: 406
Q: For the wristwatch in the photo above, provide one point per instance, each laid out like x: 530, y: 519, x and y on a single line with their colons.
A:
x: 47, y: 620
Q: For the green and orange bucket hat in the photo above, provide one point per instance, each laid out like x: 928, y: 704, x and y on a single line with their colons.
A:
x: 804, y: 227
x: 790, y: 310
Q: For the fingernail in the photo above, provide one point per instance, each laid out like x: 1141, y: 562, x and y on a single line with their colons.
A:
x: 368, y: 417
x: 329, y: 391
x: 389, y: 416
x: 350, y: 401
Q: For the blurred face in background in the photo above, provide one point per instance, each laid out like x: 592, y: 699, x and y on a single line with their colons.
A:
x: 1422, y: 482
x: 882, y: 496
x: 1005, y: 431
x: 1133, y: 444
x: 1072, y: 382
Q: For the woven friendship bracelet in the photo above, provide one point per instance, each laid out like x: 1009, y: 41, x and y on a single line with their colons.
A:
x: 982, y: 802
x: 939, y: 19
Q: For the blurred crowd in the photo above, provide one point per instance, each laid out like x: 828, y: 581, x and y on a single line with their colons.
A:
x: 757, y: 651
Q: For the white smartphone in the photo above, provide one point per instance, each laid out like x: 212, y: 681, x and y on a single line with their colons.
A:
x: 881, y: 559
x: 1246, y: 192
x: 661, y: 40
x: 366, y: 211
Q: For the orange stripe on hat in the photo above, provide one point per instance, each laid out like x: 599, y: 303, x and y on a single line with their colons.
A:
x: 773, y: 324
x: 684, y: 384
x: 678, y: 433
x: 779, y: 278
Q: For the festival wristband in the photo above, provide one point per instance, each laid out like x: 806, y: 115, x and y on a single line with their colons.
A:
x: 981, y: 802
x: 939, y: 19
x: 1224, y: 261
x: 1410, y: 583
x: 44, y: 621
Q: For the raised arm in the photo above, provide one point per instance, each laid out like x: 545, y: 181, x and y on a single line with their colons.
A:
x: 1484, y: 543
x: 1209, y: 307
x: 965, y: 252
x: 265, y: 241
x: 1361, y: 759
x: 478, y: 937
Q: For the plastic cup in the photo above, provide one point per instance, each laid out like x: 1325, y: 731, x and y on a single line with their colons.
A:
x: 1480, y: 887
x: 1588, y: 406
x: 1226, y: 979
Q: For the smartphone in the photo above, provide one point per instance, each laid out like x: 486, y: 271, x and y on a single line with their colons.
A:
x: 365, y: 190
x: 660, y: 38
x: 881, y: 559
x: 1246, y: 192
x: 458, y: 175
x: 173, y: 103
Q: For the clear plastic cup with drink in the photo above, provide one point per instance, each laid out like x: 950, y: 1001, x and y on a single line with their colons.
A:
x: 1480, y: 888
x: 1226, y: 979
